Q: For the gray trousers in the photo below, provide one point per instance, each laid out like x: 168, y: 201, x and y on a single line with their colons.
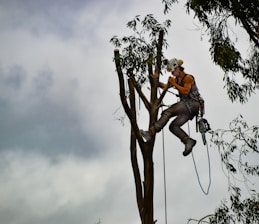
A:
x: 183, y: 111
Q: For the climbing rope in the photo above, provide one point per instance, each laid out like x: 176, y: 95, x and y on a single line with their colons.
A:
x: 164, y: 169
x: 197, y: 174
x: 163, y: 144
x: 206, y: 192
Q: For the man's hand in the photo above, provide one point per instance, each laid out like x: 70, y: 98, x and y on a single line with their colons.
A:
x: 172, y: 81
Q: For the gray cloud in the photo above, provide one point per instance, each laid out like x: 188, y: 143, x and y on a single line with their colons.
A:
x: 35, y: 121
x: 14, y: 78
x: 71, y: 190
x: 39, y: 17
x: 43, y: 80
x: 45, y: 127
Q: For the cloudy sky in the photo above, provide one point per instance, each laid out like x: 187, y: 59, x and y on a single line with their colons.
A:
x: 64, y: 156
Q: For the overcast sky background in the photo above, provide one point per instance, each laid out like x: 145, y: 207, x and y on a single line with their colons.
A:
x: 64, y: 156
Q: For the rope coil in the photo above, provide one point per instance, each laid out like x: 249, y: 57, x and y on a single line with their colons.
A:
x: 195, y: 166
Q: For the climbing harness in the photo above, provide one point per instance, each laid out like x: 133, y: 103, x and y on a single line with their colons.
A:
x: 202, y: 125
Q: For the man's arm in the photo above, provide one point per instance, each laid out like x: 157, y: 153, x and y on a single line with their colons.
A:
x: 156, y: 79
x: 187, y: 85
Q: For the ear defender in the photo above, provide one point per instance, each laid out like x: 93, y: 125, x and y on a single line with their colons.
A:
x: 180, y: 62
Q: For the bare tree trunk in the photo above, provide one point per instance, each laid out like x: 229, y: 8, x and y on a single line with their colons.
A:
x: 148, y: 187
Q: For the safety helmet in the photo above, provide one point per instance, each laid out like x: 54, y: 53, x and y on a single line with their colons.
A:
x: 173, y: 63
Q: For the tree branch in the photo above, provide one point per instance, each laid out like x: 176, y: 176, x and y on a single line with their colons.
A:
x: 123, y: 98
x: 159, y: 64
x: 246, y: 23
x: 140, y: 93
x: 159, y: 50
x: 133, y: 153
x: 201, y: 220
x: 121, y: 83
x: 153, y: 91
x: 159, y: 100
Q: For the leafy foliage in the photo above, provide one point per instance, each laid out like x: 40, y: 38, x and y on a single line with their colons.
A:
x: 235, y: 146
x: 137, y: 48
x: 240, y: 211
x: 216, y: 15
x: 168, y: 4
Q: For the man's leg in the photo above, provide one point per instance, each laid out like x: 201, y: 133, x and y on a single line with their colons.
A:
x: 174, y: 110
x: 177, y: 123
x: 175, y: 128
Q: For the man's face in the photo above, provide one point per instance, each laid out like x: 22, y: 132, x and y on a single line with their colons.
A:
x: 176, y: 72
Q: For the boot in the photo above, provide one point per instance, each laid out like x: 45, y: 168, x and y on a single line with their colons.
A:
x: 189, y: 144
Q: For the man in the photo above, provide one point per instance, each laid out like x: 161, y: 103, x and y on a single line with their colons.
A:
x: 184, y: 110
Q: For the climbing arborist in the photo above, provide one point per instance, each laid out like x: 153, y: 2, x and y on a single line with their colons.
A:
x: 184, y: 110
